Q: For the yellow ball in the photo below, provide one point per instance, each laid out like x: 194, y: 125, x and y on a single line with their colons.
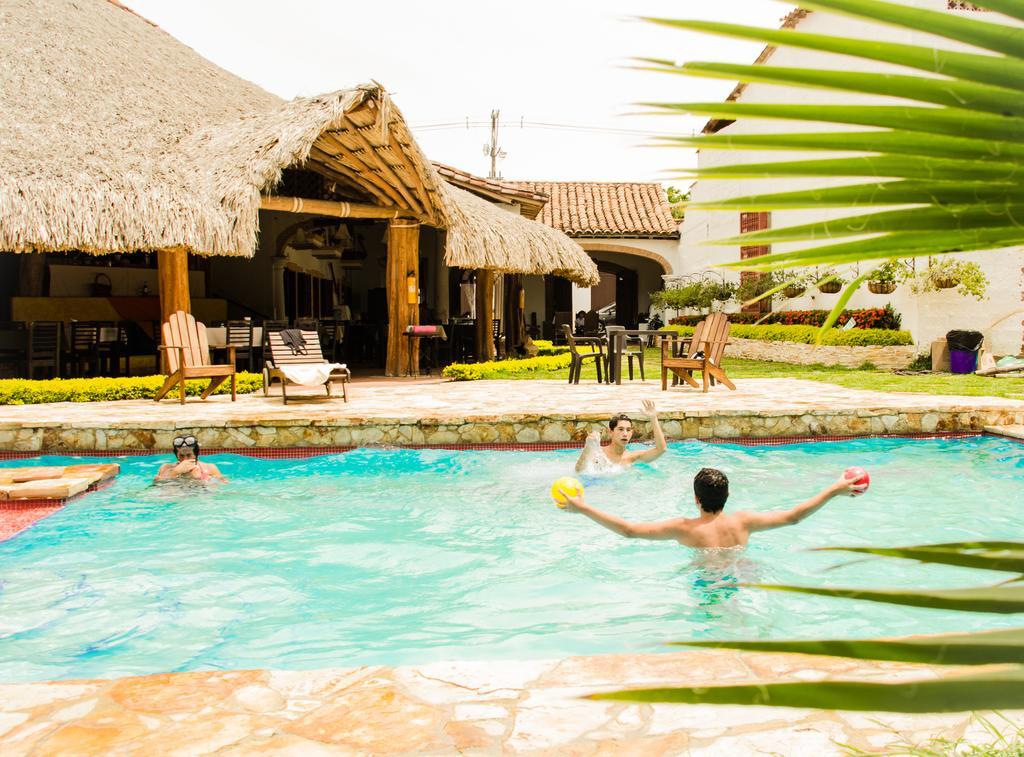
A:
x: 565, y: 486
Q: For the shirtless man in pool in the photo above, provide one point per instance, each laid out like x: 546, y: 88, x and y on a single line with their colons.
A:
x: 621, y: 428
x: 187, y: 465
x: 712, y: 527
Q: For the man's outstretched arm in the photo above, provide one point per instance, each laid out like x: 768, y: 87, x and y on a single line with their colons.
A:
x: 661, y: 530
x: 768, y: 521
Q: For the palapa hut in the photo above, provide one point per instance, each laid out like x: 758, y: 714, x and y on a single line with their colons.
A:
x: 120, y: 140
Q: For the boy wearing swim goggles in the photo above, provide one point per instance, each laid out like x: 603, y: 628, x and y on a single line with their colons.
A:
x: 187, y: 465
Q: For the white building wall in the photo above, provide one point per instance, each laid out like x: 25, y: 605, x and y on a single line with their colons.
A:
x: 927, y: 316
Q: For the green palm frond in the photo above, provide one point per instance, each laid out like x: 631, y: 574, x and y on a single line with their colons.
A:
x: 946, y: 144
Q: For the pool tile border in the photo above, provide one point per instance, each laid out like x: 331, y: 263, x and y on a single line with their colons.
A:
x: 301, y: 452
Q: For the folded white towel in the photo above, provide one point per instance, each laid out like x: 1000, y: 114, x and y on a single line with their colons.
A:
x: 314, y: 374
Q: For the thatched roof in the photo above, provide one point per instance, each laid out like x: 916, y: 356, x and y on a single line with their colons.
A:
x: 117, y: 137
x: 483, y: 235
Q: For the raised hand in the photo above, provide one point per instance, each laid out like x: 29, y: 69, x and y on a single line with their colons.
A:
x: 847, y: 486
x: 648, y: 406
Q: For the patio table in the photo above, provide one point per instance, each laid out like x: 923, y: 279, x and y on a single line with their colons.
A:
x: 617, y: 344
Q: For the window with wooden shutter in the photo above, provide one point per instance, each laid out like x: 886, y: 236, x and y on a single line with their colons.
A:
x: 750, y: 222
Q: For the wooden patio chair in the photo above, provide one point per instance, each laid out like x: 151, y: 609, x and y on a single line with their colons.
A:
x: 187, y: 356
x: 282, y: 358
x: 579, y: 357
x: 710, y: 338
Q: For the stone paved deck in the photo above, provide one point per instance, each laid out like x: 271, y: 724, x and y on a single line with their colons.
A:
x: 467, y: 708
x: 441, y: 412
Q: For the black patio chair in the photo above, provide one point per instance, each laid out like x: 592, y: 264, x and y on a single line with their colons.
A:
x: 83, y: 355
x: 238, y: 334
x: 14, y: 346
x: 632, y: 348
x: 579, y: 357
x: 111, y: 346
x: 44, y: 348
x: 562, y: 318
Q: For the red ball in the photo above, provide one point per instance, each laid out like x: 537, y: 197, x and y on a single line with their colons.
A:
x: 859, y: 475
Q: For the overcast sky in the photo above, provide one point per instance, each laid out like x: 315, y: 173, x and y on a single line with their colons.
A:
x: 558, y: 62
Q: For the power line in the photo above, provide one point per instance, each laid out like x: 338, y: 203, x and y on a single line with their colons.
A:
x: 524, y: 124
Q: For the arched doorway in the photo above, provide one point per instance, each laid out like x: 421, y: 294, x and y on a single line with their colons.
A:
x: 616, y: 299
x: 628, y: 275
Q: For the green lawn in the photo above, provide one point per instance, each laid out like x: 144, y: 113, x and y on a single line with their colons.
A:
x: 939, y: 383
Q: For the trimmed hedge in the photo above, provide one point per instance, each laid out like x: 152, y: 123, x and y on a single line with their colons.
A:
x: 26, y: 392
x: 546, y: 347
x: 477, y: 371
x: 809, y: 335
x: 866, y: 318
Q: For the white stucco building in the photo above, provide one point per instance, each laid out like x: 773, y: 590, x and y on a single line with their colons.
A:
x: 927, y: 316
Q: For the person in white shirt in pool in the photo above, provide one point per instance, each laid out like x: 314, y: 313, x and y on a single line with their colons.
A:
x: 594, y: 456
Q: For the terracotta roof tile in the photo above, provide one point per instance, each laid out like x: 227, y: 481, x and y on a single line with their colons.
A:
x: 605, y: 209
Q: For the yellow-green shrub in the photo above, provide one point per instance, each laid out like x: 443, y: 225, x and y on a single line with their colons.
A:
x: 809, y: 335
x: 26, y: 392
x: 495, y: 368
x: 546, y: 347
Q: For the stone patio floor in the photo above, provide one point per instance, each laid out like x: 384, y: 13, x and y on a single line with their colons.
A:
x: 530, y: 707
x: 432, y: 411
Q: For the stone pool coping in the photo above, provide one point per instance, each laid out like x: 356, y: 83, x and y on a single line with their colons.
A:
x: 432, y: 413
x: 524, y: 706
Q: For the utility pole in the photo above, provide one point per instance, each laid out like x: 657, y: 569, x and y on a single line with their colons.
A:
x: 492, y: 149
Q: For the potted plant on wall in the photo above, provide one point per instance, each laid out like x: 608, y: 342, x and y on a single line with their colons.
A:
x: 830, y: 281
x: 889, y: 275
x: 947, y: 273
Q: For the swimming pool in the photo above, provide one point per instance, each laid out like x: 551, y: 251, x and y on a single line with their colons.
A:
x: 405, y: 556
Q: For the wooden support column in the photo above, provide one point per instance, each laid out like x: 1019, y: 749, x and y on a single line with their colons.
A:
x: 172, y: 273
x: 31, y: 274
x: 484, y: 314
x: 403, y: 259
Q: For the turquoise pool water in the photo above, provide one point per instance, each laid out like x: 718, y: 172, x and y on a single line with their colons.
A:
x: 408, y: 556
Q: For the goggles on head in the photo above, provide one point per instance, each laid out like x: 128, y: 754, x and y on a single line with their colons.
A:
x: 184, y: 441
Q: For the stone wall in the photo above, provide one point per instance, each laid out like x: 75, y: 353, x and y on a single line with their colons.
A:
x: 521, y: 429
x: 889, y: 358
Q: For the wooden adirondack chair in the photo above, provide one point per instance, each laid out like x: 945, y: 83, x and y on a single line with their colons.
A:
x: 282, y: 356
x: 187, y: 356
x: 711, y: 335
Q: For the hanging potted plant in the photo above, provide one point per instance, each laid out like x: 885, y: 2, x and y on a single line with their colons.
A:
x: 947, y: 273
x: 797, y: 284
x: 757, y: 284
x: 720, y: 291
x: 885, y: 278
x: 830, y: 282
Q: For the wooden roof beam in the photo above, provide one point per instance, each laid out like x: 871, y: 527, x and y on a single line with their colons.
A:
x: 332, y: 208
